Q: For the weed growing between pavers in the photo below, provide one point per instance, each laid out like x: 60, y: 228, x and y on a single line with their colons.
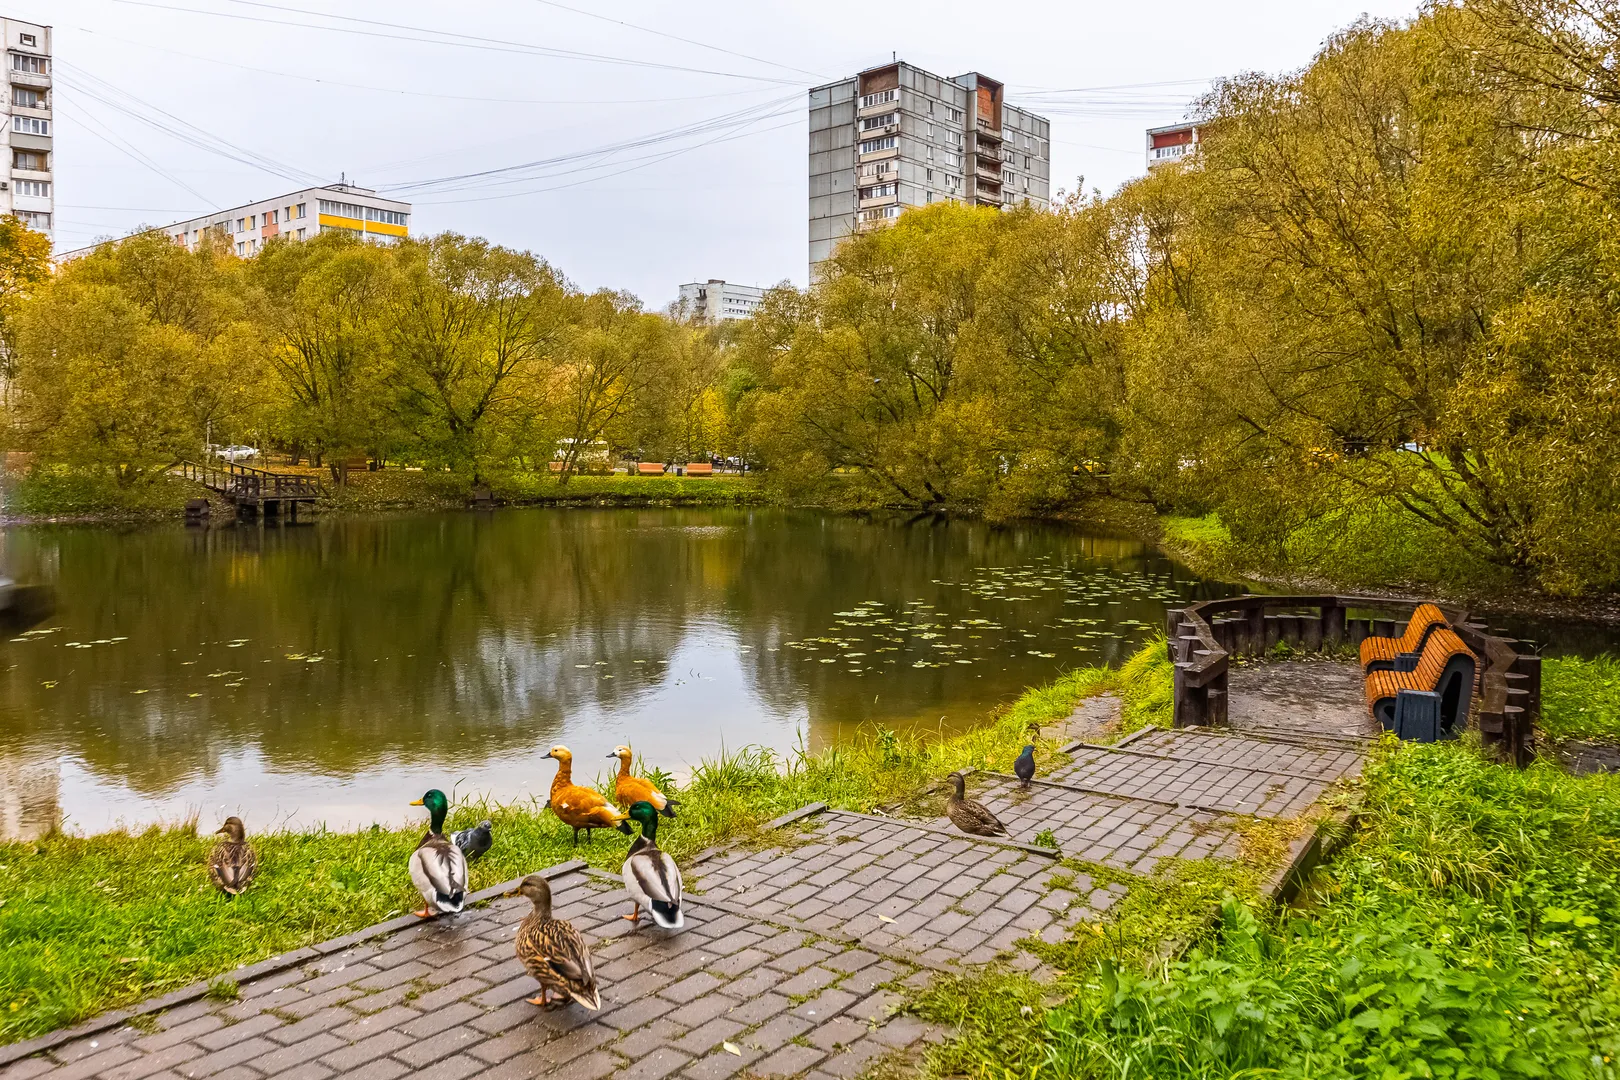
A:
x: 1470, y: 928
x: 88, y: 924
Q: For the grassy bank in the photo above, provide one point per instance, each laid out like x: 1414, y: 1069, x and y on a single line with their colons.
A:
x: 397, y: 489
x: 1470, y: 928
x: 1580, y: 698
x: 53, y: 493
x: 46, y: 493
x: 87, y: 924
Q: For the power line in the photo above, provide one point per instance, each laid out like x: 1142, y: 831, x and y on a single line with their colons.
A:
x: 114, y: 97
x: 434, y: 94
x: 442, y: 37
x: 134, y: 154
x: 507, y: 174
x: 677, y: 37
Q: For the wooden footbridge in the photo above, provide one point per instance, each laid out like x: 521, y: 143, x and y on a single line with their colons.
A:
x: 254, y: 492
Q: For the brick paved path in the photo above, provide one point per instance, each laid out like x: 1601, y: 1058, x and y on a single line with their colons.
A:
x: 797, y: 956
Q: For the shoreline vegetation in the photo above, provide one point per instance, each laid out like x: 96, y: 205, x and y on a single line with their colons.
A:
x: 1467, y: 920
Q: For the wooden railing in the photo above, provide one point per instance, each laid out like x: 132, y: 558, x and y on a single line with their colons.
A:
x: 1203, y: 637
x: 245, y: 483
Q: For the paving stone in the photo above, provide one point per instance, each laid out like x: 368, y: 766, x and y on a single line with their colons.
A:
x: 447, y: 999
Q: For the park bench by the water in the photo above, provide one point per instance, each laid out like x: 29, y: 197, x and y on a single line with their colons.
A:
x: 1431, y: 701
x: 1384, y: 653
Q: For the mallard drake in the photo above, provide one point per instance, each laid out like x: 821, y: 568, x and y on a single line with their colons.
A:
x: 232, y: 863
x: 967, y: 814
x: 650, y: 875
x: 553, y: 952
x: 629, y: 790
x: 1024, y: 767
x: 580, y: 807
x: 438, y: 868
x: 475, y: 841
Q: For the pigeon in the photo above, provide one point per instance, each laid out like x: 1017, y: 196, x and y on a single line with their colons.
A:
x: 1024, y: 767
x: 475, y: 841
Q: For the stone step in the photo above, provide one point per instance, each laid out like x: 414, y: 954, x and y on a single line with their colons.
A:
x: 1207, y: 785
x: 1321, y: 761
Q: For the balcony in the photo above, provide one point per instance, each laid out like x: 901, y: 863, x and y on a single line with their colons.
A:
x: 31, y: 80
x: 879, y: 200
x: 987, y: 152
x: 988, y: 131
x: 986, y: 175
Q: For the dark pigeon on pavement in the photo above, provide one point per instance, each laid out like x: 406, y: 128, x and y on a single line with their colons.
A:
x: 1024, y: 767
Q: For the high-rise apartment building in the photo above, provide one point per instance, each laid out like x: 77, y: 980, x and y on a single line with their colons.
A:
x: 1173, y: 143
x: 897, y: 136
x: 300, y: 215
x: 716, y: 300
x: 28, y: 189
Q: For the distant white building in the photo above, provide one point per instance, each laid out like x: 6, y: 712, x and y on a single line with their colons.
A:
x: 1173, y: 143
x: 716, y: 300
x: 28, y: 188
x: 299, y: 216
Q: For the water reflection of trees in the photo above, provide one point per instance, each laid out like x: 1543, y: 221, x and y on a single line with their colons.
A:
x: 484, y: 630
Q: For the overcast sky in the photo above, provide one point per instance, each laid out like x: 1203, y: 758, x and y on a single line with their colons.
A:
x: 418, y: 99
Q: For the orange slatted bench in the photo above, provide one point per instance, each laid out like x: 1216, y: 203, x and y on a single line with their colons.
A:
x: 650, y: 468
x: 1445, y: 668
x: 1379, y: 653
x: 699, y: 468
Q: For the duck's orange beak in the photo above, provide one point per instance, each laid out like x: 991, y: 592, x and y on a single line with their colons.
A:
x: 416, y: 802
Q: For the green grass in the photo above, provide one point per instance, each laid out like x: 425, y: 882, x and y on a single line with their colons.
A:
x: 1470, y: 928
x: 400, y: 489
x: 49, y: 491
x: 1580, y: 699
x: 88, y: 924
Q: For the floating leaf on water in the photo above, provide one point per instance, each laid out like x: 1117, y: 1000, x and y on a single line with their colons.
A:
x: 290, y: 656
x: 238, y: 682
x: 48, y: 684
x: 314, y: 659
x: 193, y: 695
x: 140, y: 691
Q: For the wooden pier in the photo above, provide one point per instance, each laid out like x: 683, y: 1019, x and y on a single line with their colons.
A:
x: 254, y: 492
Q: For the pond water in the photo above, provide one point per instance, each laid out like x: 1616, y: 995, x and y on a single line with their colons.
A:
x: 331, y: 673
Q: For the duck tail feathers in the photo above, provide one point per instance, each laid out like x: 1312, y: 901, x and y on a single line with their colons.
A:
x: 668, y: 809
x: 668, y: 915
x: 450, y: 903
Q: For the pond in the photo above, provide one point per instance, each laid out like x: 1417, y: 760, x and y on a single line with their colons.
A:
x: 330, y: 673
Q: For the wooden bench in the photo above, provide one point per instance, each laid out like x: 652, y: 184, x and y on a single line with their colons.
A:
x: 650, y: 468
x: 1385, y: 653
x: 699, y: 468
x: 1441, y: 687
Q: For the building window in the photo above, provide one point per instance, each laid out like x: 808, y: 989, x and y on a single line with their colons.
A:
x: 38, y: 188
x: 872, y: 146
x: 301, y: 233
x: 343, y: 209
x: 387, y: 217
x: 31, y: 65
x: 1026, y: 161
x: 27, y: 39
x: 273, y: 217
x: 929, y: 197
x: 24, y: 98
x: 300, y: 213
x: 878, y: 98
x: 241, y: 247
x: 241, y: 224
x: 30, y: 125
x: 953, y: 160
x: 29, y: 159
x: 885, y: 120
x: 954, y: 115
x: 878, y: 192
x: 34, y: 219
x: 930, y: 175
x: 880, y: 213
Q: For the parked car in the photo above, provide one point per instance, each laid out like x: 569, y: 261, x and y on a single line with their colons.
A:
x: 235, y: 453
